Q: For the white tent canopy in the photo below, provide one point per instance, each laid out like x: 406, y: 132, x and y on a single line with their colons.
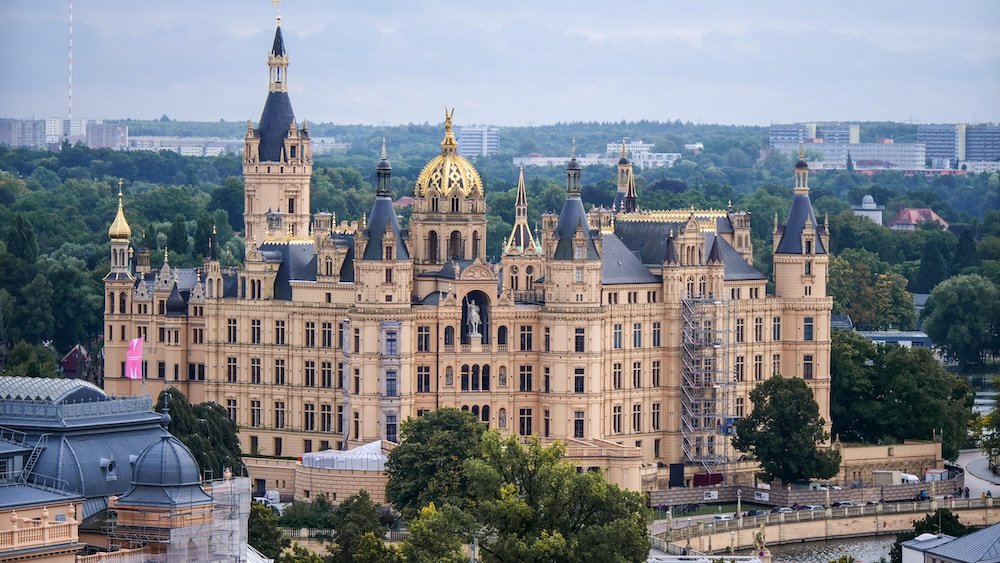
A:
x: 368, y: 457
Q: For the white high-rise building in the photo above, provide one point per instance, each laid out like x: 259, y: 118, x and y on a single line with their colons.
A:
x: 478, y: 140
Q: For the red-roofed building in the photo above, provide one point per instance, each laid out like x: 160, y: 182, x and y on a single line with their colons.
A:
x: 908, y: 219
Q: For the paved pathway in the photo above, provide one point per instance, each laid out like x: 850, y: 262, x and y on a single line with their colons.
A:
x: 977, y: 473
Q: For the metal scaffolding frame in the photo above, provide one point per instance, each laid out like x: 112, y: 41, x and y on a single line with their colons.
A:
x: 707, y: 383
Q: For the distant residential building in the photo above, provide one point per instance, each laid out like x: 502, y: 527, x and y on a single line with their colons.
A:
x: 944, y: 143
x: 795, y: 133
x: 869, y: 210
x: 327, y: 145
x: 107, y: 136
x: 478, y: 140
x: 186, y: 146
x: 980, y: 166
x: 982, y: 142
x: 641, y: 158
x: 883, y: 154
x: 904, y: 338
x: 22, y: 132
x: 909, y: 218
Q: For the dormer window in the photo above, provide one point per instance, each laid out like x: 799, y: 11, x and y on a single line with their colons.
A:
x: 578, y: 252
x: 387, y: 253
x: 809, y: 247
x: 293, y: 156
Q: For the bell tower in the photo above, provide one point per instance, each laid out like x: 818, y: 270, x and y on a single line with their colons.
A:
x: 277, y: 161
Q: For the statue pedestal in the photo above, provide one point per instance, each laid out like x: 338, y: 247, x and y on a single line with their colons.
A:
x: 475, y: 342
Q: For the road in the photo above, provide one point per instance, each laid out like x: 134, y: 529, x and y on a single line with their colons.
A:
x: 977, y: 473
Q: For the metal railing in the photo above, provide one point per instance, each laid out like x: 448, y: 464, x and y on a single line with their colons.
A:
x: 50, y: 411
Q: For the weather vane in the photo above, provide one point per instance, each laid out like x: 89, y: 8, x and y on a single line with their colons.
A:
x: 277, y: 10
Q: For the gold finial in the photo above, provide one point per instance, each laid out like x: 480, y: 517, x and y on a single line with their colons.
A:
x: 385, y: 155
x: 572, y: 153
x: 119, y: 229
x: 121, y: 183
x: 448, y: 144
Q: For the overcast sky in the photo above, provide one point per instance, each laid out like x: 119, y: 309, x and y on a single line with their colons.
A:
x: 507, y: 62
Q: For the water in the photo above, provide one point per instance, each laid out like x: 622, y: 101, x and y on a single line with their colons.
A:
x: 866, y: 550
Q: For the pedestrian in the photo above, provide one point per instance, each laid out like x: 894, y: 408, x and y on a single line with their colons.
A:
x: 967, y: 492
x: 989, y: 493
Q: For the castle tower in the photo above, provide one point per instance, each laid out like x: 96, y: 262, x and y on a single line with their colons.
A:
x: 800, y: 249
x: 118, y: 291
x: 449, y: 209
x: 521, y: 260
x: 277, y: 161
x: 626, y: 198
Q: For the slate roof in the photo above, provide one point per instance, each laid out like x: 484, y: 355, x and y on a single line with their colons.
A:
x: 791, y: 236
x: 278, y: 48
x: 50, y: 389
x: 275, y: 121
x: 176, y: 305
x: 648, y: 238
x: 17, y: 496
x: 347, y: 268
x: 165, y: 474
x: 572, y: 216
x: 381, y: 219
x: 735, y: 268
x: 620, y: 265
x: 447, y: 270
x: 298, y: 263
x: 433, y: 298
x: 915, y: 216
x: 978, y: 547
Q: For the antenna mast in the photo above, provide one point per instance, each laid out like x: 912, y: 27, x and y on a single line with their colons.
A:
x: 71, y: 60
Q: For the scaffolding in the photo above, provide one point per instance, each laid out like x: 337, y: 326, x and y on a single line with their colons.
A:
x: 707, y: 385
x: 214, y: 532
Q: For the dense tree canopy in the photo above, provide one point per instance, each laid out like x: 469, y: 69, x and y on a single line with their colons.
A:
x: 783, y: 432
x: 887, y: 394
x: 962, y: 317
x: 263, y: 532
x: 206, y: 430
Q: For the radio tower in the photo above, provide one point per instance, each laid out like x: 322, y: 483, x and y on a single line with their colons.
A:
x: 71, y: 60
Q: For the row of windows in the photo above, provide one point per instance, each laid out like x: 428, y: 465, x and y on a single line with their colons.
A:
x: 279, y: 334
x: 617, y: 340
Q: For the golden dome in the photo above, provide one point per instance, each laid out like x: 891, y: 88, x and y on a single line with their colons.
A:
x: 448, y: 171
x: 119, y: 229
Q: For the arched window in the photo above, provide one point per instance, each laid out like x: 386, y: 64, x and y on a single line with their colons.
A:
x: 111, y: 302
x: 485, y: 411
x: 475, y: 378
x: 329, y: 265
x: 529, y: 283
x: 502, y: 418
x: 701, y: 287
x: 475, y: 244
x: 434, y: 204
x: 121, y: 303
x: 455, y: 245
x: 690, y: 287
x: 449, y: 336
x: 486, y: 377
x: 475, y: 411
x: 465, y: 408
x: 503, y: 376
x: 513, y: 278
x: 502, y: 336
x: 465, y: 377
x: 211, y: 287
x: 454, y: 205
x: 432, y: 246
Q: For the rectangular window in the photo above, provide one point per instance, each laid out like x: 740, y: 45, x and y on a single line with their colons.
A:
x: 357, y: 425
x: 637, y: 418
x: 525, y: 378
x: 423, y: 339
x: 231, y: 409
x: 327, y: 335
x: 616, y: 336
x: 637, y: 335
x: 279, y: 371
x: 309, y: 417
x: 758, y: 329
x: 656, y: 373
x: 776, y: 364
x: 524, y: 426
x: 161, y: 370
x: 232, y: 370
x: 547, y: 422
x: 740, y: 336
x: 423, y: 379
x: 279, y: 333
x: 655, y: 418
x: 357, y: 340
x: 739, y: 368
x: 278, y: 442
x: 616, y: 419
x: 310, y: 373
x: 391, y: 384
x: 547, y: 339
x: 807, y: 366
x: 255, y: 371
x: 580, y: 340
x: 616, y: 375
x: 776, y: 328
x: 340, y: 419
x: 636, y: 375
x: 526, y: 334
x: 230, y: 331
x: 578, y: 380
x: 162, y: 335
x: 341, y: 374
x: 758, y: 367
x: 391, y: 428
x: 325, y: 418
x: 578, y: 275
x: 326, y: 374
x: 310, y: 334
x: 657, y: 341
x: 466, y: 377
x: 307, y: 445
x: 279, y: 414
x: 739, y: 407
x: 547, y: 380
x: 391, y: 343
x: 255, y: 414
x: 255, y: 331
x: 808, y: 270
x: 807, y: 329
x: 578, y: 419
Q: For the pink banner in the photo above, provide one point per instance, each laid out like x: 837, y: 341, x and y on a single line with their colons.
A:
x: 133, y: 359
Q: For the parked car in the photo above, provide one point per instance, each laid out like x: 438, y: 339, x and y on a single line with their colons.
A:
x: 756, y: 513
x: 843, y: 504
x: 723, y: 517
x: 811, y: 507
x: 781, y: 510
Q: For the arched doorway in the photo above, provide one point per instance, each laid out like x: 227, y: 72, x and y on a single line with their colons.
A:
x: 482, y: 301
x: 455, y: 245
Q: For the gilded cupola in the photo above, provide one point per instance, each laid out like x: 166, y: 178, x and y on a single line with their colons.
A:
x: 119, y: 229
x: 448, y: 171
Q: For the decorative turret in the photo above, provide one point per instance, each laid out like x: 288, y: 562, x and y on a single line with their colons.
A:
x: 521, y: 241
x: 120, y: 232
x: 383, y: 270
x: 119, y: 229
x: 383, y: 171
x: 800, y: 252
x: 573, y: 174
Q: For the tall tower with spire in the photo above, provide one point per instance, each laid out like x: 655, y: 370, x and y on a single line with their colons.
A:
x: 521, y: 260
x: 626, y: 199
x: 277, y: 161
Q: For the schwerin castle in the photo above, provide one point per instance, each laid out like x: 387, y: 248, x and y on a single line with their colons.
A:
x: 644, y: 328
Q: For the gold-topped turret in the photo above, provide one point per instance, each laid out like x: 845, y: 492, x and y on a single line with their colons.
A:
x: 449, y: 172
x: 119, y: 229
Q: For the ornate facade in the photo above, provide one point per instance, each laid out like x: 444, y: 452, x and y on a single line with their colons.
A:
x: 645, y: 328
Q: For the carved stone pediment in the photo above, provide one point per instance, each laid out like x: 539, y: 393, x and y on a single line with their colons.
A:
x: 477, y: 272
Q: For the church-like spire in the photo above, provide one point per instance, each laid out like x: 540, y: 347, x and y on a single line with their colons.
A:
x: 520, y: 240
x: 801, y: 173
x: 277, y: 62
x: 383, y: 172
x: 631, y: 201
x: 573, y: 173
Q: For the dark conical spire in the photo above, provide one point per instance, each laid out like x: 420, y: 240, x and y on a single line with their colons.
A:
x: 573, y: 173
x: 670, y: 255
x: 715, y: 254
x: 277, y: 118
x: 213, y: 246
x: 278, y: 49
x: 176, y: 306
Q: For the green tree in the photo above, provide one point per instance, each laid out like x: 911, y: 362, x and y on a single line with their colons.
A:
x: 36, y: 316
x: 229, y: 198
x: 177, y: 239
x: 371, y: 549
x: 933, y: 267
x: 31, y: 361
x: 263, y: 532
x: 783, y: 431
x: 206, y: 430
x: 298, y: 554
x: 316, y: 514
x: 355, y: 517
x: 531, y: 505
x: 437, y: 536
x: 988, y: 431
x: 21, y: 241
x: 962, y: 317
x: 966, y: 255
x: 427, y: 465
x: 942, y: 521
x: 893, y: 304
